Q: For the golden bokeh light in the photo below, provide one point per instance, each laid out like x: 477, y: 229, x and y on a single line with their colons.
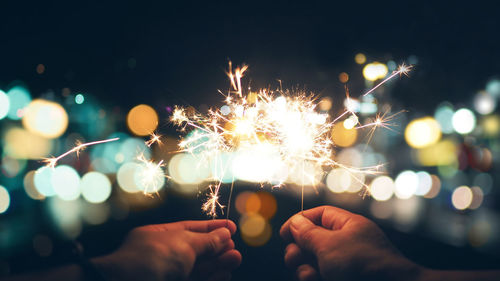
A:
x: 255, y: 230
x: 360, y: 58
x: 22, y: 144
x: 422, y: 132
x: 440, y: 154
x: 45, y: 118
x: 375, y: 71
x: 342, y: 136
x: 343, y: 77
x: 142, y: 120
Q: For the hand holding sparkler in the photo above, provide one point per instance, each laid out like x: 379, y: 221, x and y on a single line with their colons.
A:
x: 334, y: 244
x: 194, y: 250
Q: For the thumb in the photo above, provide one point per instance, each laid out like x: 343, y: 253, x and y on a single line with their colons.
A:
x: 211, y: 243
x: 306, y: 234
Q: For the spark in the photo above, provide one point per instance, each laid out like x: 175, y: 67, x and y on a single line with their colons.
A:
x: 402, y: 70
x: 151, y: 174
x: 154, y: 138
x: 283, y: 126
x: 52, y: 162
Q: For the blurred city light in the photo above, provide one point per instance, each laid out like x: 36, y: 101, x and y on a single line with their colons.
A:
x: 4, y: 104
x: 66, y: 183
x: 382, y: 188
x: 19, y: 98
x: 464, y: 121
x: 374, y: 71
x: 45, y: 118
x: 406, y: 184
x: 422, y: 132
x: 4, y: 199
x: 142, y: 120
x: 95, y: 187
x: 462, y: 197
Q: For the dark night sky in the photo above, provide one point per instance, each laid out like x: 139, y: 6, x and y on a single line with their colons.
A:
x: 181, y: 51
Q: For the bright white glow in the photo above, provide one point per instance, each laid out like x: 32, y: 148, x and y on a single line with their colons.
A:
x: 338, y: 180
x: 484, y: 103
x: 96, y: 187
x: 125, y: 177
x: 406, y: 184
x: 424, y: 183
x: 66, y: 183
x: 42, y: 181
x: 382, y: 188
x: 464, y: 121
x: 4, y: 199
x: 4, y: 105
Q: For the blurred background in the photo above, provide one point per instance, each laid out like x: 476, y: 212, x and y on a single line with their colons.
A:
x: 80, y: 72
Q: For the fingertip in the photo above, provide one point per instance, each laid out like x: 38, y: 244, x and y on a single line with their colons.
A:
x: 306, y: 272
x: 223, y: 234
x: 231, y: 226
x: 230, y: 259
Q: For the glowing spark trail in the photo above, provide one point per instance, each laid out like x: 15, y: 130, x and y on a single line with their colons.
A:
x: 284, y: 127
x: 52, y: 162
x: 154, y: 138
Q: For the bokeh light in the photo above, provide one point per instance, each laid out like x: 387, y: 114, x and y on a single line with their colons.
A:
x: 477, y: 197
x: 374, y: 71
x: 435, y: 187
x: 464, y: 121
x: 440, y: 154
x: 382, y: 188
x: 95, y: 187
x: 19, y: 98
x: 79, y: 99
x: 4, y: 199
x: 45, y: 118
x: 142, y: 120
x: 22, y: 144
x: 493, y: 87
x: 43, y: 181
x: 424, y: 183
x: 342, y: 136
x: 406, y: 184
x: 360, y: 58
x: 484, y: 103
x: 422, y: 132
x: 255, y: 230
x: 461, y: 197
x: 66, y: 183
x: 340, y: 180
x: 4, y: 104
x: 491, y: 125
x: 443, y: 115
x: 29, y: 186
x: 126, y: 177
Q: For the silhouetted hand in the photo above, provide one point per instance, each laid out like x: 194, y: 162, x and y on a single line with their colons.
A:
x: 335, y: 244
x: 174, y: 251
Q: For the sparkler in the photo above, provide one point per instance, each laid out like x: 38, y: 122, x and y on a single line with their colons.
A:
x: 52, y: 162
x: 282, y: 124
x: 153, y: 138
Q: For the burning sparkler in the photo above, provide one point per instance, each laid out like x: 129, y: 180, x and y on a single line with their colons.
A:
x: 284, y: 125
x: 52, y: 162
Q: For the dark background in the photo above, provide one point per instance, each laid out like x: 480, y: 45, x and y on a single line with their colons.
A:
x: 168, y: 52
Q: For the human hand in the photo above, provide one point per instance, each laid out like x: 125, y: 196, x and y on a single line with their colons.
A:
x: 186, y: 250
x: 335, y: 244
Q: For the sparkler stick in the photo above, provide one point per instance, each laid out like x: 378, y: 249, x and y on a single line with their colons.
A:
x: 52, y: 162
x: 284, y: 126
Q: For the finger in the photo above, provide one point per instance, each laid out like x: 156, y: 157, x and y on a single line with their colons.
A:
x: 306, y: 272
x: 196, y: 226
x: 229, y: 260
x: 327, y: 216
x: 294, y: 256
x: 307, y: 235
x: 211, y: 243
